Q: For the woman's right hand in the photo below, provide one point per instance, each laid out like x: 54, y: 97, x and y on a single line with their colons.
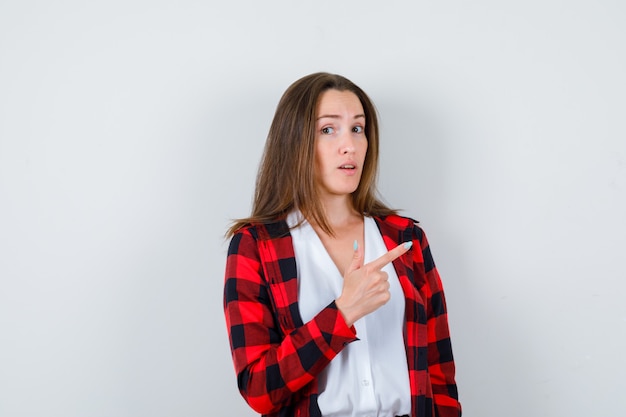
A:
x: 366, y: 287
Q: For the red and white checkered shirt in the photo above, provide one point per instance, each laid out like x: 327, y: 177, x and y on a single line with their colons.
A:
x: 277, y: 357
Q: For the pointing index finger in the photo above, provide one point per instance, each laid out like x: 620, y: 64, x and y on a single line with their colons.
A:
x: 392, y: 255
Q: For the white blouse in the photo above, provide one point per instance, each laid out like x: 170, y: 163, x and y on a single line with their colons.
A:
x: 369, y: 377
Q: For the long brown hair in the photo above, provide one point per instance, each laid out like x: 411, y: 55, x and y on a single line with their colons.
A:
x: 286, y: 178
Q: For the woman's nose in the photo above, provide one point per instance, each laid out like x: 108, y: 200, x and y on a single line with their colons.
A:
x: 347, y: 144
x: 347, y: 150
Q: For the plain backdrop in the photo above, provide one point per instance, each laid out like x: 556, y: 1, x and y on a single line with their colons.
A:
x: 130, y: 135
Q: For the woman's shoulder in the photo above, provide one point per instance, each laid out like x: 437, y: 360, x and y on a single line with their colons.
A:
x: 400, y: 227
x: 264, y: 230
x: 398, y: 221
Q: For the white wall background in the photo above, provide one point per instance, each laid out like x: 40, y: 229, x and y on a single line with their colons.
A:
x: 130, y: 133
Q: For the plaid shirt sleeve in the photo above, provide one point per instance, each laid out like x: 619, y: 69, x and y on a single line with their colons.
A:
x: 273, y: 366
x: 440, y: 360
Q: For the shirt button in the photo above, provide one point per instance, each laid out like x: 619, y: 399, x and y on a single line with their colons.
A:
x: 365, y: 382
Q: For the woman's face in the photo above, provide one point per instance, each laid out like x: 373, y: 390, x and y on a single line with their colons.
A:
x: 340, y: 143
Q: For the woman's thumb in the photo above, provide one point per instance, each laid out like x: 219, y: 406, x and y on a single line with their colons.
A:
x: 357, y: 259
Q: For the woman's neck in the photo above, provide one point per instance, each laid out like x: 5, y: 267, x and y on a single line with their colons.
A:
x: 347, y: 227
x: 339, y: 212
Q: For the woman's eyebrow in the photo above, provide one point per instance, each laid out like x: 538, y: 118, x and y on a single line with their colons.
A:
x: 336, y: 116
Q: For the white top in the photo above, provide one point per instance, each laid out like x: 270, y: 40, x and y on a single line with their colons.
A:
x: 369, y: 377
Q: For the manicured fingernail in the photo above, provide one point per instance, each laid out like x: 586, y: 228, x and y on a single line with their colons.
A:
x: 355, y: 245
x: 407, y: 245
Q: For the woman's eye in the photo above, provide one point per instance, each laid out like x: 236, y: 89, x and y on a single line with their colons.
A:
x: 328, y: 130
x: 357, y: 129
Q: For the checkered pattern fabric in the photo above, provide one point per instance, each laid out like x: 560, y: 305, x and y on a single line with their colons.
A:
x: 277, y: 357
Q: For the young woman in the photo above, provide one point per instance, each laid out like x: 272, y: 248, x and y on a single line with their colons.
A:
x: 333, y: 303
